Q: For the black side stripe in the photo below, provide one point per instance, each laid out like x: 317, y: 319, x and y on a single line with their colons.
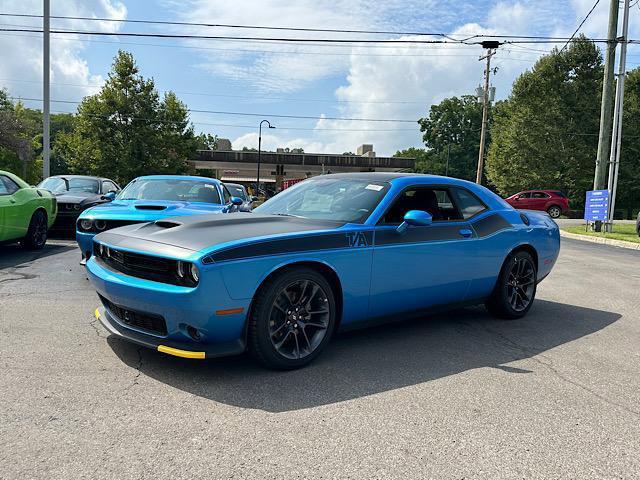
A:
x: 490, y: 225
x: 483, y: 227
x: 291, y: 245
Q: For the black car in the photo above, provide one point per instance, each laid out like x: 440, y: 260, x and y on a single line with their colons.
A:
x: 76, y: 193
x: 239, y: 191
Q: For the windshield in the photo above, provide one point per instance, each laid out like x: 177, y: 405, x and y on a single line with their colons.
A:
x: 327, y: 198
x: 236, y: 191
x: 60, y: 184
x: 171, y: 190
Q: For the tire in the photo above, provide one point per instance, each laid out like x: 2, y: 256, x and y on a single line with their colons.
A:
x: 36, y: 236
x: 292, y: 319
x: 554, y: 211
x: 515, y: 289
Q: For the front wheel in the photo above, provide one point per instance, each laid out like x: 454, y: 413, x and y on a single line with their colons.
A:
x: 554, y: 211
x: 515, y: 290
x: 293, y: 317
x: 37, y: 232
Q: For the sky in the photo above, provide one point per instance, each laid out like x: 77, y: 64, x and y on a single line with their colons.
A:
x: 268, y: 79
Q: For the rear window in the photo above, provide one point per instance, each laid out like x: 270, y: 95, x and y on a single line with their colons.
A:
x: 560, y: 194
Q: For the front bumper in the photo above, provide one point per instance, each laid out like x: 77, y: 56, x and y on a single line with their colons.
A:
x: 177, y: 349
x: 207, y: 309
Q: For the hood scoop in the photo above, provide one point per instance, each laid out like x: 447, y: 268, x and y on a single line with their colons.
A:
x: 167, y: 224
x: 151, y: 207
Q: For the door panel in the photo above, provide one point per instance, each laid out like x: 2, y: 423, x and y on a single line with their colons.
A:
x: 18, y: 215
x: 424, y: 267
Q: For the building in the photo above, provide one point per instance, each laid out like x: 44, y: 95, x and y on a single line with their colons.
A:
x: 241, y: 166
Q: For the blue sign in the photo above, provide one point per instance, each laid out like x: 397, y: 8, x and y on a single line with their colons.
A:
x: 597, y: 205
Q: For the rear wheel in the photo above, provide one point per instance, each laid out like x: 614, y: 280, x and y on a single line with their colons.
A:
x: 554, y: 211
x: 37, y: 233
x: 516, y: 287
x: 292, y: 319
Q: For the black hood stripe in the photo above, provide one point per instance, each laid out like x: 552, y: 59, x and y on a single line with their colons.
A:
x: 332, y: 241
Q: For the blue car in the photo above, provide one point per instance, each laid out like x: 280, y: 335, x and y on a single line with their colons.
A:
x: 335, y: 251
x: 151, y: 198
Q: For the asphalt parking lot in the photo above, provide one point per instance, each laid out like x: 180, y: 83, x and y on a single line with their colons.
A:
x: 461, y: 395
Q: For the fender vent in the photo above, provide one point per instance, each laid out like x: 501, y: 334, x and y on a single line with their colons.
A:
x: 524, y: 219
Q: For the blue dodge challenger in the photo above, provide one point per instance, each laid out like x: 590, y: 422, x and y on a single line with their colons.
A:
x: 334, y: 251
x: 150, y: 198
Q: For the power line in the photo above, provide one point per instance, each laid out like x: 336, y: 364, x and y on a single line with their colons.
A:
x: 514, y: 39
x: 251, y: 114
x: 581, y: 24
x: 245, y: 97
x: 253, y: 127
x: 226, y: 25
x: 448, y: 36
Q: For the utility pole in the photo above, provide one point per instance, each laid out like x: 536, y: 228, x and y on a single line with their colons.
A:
x: 616, y: 140
x: 604, y: 137
x: 46, y: 169
x: 491, y: 51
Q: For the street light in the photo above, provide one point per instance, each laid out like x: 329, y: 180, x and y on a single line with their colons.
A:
x: 260, y: 154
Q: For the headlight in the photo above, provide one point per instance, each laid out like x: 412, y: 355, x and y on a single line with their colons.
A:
x: 100, y: 225
x: 195, y: 275
x: 180, y: 269
x: 86, y: 224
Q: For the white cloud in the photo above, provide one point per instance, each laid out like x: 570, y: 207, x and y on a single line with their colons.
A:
x: 21, y: 72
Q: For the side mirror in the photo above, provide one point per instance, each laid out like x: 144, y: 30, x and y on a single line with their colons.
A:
x: 254, y: 198
x: 415, y: 218
x: 237, y: 201
x: 109, y: 196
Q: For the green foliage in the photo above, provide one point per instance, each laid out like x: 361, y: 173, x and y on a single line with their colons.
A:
x: 427, y: 161
x: 629, y: 178
x: 452, y: 130
x: 546, y: 134
x: 126, y: 130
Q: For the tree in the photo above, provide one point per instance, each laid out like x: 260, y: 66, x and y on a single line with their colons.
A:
x: 126, y: 130
x: 628, y: 196
x: 427, y: 161
x: 452, y: 130
x: 546, y: 134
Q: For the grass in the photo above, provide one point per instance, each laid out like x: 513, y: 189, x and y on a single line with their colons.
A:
x: 621, y: 231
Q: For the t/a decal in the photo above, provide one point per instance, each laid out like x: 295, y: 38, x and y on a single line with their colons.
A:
x: 356, y: 239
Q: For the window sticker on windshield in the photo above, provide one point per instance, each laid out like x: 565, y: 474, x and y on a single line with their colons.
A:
x: 371, y: 186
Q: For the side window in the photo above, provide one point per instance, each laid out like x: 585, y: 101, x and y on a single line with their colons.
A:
x: 108, y: 186
x: 539, y: 195
x: 435, y: 201
x: 227, y: 195
x: 525, y: 195
x: 468, y: 204
x: 8, y: 186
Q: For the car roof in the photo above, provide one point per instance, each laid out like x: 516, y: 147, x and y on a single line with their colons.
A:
x: 234, y: 184
x: 399, y: 177
x: 89, y: 177
x: 178, y: 177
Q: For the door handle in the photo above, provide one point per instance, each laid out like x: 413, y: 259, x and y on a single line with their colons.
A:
x: 466, y: 232
x: 12, y: 200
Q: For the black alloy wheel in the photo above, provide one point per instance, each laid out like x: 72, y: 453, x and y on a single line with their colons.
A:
x: 292, y: 319
x: 516, y: 287
x: 37, y: 233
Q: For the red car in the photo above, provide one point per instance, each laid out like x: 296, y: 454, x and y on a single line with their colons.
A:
x: 553, y: 202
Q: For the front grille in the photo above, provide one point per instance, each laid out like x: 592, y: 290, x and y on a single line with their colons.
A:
x: 144, y: 321
x: 138, y: 265
x: 69, y: 207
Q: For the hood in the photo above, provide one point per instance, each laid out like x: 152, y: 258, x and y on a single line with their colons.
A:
x: 77, y: 197
x: 148, y: 211
x: 209, y: 232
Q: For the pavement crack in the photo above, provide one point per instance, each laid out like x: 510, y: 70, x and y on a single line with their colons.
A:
x: 536, y: 356
x: 94, y: 324
x: 138, y: 370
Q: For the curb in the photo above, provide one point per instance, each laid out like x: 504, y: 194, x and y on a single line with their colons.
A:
x: 601, y: 240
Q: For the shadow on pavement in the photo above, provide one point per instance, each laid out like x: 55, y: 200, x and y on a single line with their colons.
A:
x: 14, y: 255
x: 375, y: 360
